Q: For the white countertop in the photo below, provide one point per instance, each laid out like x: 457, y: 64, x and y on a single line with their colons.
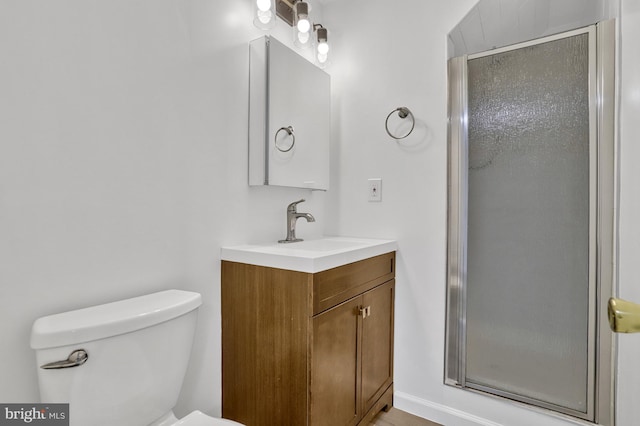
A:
x: 309, y: 256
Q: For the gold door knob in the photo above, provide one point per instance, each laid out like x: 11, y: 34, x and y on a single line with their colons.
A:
x: 624, y: 317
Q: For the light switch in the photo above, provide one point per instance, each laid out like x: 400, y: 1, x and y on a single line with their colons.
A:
x: 375, y: 189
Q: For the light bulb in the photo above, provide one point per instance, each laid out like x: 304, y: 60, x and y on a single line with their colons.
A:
x: 304, y: 25
x: 323, y: 48
x: 303, y: 38
x: 264, y: 16
x: 263, y: 5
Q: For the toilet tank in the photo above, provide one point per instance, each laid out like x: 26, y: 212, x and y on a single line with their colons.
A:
x: 138, y: 351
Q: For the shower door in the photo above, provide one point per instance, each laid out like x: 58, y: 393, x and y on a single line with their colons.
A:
x: 524, y: 222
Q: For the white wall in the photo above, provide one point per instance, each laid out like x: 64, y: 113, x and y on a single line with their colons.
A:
x: 628, y: 409
x: 390, y: 54
x: 123, y: 166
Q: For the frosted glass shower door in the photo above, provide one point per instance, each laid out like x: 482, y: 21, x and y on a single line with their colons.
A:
x: 529, y: 302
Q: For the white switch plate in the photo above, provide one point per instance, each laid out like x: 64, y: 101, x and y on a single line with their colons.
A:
x: 375, y: 189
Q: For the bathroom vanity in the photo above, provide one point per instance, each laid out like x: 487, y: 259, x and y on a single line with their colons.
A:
x: 307, y: 332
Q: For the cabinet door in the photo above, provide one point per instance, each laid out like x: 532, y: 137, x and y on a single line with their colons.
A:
x: 335, y: 376
x: 377, y: 343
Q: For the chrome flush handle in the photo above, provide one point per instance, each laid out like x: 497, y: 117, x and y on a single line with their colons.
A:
x: 75, y: 359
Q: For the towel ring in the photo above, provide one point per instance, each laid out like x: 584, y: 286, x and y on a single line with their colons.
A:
x: 289, y: 130
x: 403, y: 112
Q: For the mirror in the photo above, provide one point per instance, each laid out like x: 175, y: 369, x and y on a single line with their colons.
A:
x: 289, y: 118
x: 497, y: 23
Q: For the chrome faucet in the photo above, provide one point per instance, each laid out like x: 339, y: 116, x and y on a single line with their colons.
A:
x: 292, y: 217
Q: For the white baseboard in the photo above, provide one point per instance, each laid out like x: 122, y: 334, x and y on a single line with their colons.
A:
x: 439, y: 413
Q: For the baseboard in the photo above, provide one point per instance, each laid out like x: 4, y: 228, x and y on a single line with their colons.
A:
x: 438, y: 413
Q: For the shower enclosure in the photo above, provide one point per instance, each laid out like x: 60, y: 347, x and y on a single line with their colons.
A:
x: 530, y: 240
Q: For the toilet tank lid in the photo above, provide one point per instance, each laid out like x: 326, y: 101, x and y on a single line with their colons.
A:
x: 111, y: 319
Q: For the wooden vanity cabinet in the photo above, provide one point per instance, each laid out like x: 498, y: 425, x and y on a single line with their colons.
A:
x: 307, y: 349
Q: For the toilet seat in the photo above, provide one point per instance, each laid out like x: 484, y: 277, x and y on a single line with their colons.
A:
x: 198, y: 418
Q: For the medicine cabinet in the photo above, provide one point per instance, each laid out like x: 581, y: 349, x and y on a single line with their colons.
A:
x: 289, y: 118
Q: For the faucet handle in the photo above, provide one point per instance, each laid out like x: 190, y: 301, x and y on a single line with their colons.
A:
x: 292, y: 206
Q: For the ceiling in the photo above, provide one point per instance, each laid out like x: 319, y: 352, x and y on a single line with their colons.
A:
x: 498, y: 23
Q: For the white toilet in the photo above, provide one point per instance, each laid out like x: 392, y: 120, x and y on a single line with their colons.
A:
x: 121, y: 363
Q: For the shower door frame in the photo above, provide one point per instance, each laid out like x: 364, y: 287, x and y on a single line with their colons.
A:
x: 602, y: 256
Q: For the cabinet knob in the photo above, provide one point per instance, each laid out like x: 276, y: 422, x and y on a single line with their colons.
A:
x: 365, y: 311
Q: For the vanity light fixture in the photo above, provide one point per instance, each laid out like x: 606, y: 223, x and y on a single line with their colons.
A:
x: 302, y: 16
x: 322, y: 46
x: 296, y: 14
x: 302, y: 26
x: 264, y: 15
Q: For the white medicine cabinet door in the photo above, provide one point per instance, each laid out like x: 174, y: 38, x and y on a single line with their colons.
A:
x: 289, y: 118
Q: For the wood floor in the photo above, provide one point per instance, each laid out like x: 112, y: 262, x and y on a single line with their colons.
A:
x: 396, y: 417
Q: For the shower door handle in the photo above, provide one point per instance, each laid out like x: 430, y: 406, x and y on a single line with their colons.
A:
x: 624, y: 316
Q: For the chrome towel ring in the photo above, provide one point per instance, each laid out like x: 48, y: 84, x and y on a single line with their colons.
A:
x: 403, y: 112
x: 289, y: 130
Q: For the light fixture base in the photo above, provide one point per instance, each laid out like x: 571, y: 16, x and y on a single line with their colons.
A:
x: 322, y: 33
x: 284, y: 9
